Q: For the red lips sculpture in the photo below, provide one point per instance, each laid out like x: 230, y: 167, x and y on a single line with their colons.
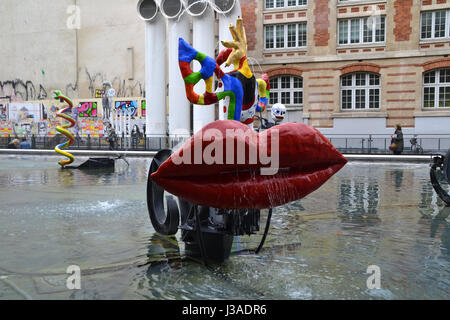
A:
x: 226, y: 165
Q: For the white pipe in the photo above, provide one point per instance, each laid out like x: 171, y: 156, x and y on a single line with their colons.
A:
x: 148, y: 9
x: 203, y: 41
x: 224, y: 34
x: 195, y: 8
x: 179, y: 106
x: 171, y: 9
x: 224, y: 6
x: 155, y: 74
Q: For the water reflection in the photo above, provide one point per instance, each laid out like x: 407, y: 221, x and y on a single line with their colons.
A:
x: 358, y: 196
x: 358, y: 202
x: 439, y: 227
x: 51, y: 174
x: 430, y: 203
x: 66, y: 178
x: 317, y: 248
x: 397, y: 177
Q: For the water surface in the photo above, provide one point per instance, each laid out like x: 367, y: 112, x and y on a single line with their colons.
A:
x: 318, y: 248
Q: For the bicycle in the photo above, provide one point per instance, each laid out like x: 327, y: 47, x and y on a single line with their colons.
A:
x: 415, y: 146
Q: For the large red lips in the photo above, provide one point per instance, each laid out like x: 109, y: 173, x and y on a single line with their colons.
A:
x: 306, y: 161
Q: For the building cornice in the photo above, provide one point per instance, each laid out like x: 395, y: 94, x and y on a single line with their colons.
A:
x: 353, y: 57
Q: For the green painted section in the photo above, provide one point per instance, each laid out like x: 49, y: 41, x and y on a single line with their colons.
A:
x: 200, y: 57
x: 232, y: 106
x: 193, y: 78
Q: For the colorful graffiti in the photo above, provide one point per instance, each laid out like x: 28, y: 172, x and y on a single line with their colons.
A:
x: 23, y: 129
x: 99, y: 93
x: 88, y: 109
x: 128, y: 108
x: 48, y: 127
x: 144, y: 107
x: 24, y: 112
x: 6, y: 129
x: 39, y: 117
x: 3, y: 111
x: 92, y: 128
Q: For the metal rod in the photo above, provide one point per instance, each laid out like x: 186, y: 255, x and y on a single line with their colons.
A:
x: 266, y: 231
x: 200, y: 236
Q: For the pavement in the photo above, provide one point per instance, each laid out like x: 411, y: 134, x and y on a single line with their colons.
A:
x: 150, y: 154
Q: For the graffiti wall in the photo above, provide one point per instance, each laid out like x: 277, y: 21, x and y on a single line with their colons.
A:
x: 134, y: 107
x: 128, y: 108
x: 39, y: 117
x: 4, y: 109
x: 24, y: 112
x: 93, y: 128
x: 144, y: 108
x: 88, y: 109
x: 6, y: 129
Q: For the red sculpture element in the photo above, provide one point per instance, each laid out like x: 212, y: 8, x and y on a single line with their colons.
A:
x: 305, y: 158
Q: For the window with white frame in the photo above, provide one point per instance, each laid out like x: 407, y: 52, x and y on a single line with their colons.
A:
x: 436, y: 88
x: 282, y: 36
x: 287, y: 90
x: 435, y: 24
x: 360, y: 90
x: 362, y: 30
x: 275, y: 4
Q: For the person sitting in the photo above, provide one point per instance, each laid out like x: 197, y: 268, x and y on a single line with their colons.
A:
x: 14, y: 144
x: 25, y: 144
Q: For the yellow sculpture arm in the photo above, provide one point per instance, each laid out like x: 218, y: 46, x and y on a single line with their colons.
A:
x: 239, y: 45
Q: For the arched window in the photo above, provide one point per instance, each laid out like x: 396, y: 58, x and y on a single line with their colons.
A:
x: 436, y: 88
x: 360, y: 90
x: 287, y: 90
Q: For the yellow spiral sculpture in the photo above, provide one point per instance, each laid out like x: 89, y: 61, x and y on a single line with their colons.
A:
x: 63, y: 129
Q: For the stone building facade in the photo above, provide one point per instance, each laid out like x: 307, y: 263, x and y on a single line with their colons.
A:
x: 355, y: 66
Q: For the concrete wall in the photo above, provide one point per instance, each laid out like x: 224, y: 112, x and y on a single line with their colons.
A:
x: 42, y: 53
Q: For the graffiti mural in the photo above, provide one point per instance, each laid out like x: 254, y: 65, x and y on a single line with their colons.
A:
x: 39, y: 117
x: 17, y: 90
x: 88, y: 109
x: 42, y: 128
x: 99, y: 93
x: 49, y: 111
x: 4, y: 109
x: 128, y: 108
x: 24, y: 112
x: 48, y: 127
x: 23, y: 129
x: 92, y: 128
x: 144, y: 108
x: 6, y: 128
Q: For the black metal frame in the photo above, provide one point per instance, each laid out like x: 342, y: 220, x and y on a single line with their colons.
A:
x: 206, y: 231
x: 441, y: 164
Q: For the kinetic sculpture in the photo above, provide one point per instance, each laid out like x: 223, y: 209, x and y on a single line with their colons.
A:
x: 63, y: 129
x: 306, y: 161
x: 440, y: 174
x: 227, y: 172
x: 239, y: 86
x: 91, y: 163
x: 278, y: 112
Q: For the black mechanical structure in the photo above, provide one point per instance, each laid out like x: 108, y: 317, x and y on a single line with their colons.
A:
x: 99, y: 164
x: 264, y: 124
x: 95, y: 163
x: 206, y: 232
x: 440, y: 175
